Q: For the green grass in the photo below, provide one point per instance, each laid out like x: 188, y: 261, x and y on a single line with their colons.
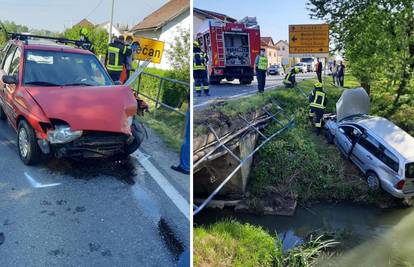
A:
x: 169, y: 125
x: 230, y: 243
x: 303, y: 161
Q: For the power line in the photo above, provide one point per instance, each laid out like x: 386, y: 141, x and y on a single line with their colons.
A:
x: 95, y: 8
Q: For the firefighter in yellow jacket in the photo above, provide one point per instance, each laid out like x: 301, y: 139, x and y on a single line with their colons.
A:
x: 317, y: 105
x: 200, y: 60
x: 116, y: 58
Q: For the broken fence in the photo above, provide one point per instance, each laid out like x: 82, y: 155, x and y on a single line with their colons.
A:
x: 278, y: 117
x: 135, y: 82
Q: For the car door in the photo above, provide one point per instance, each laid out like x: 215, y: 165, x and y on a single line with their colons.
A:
x: 343, y: 138
x: 4, y: 70
x: 366, y: 153
x: 11, y: 89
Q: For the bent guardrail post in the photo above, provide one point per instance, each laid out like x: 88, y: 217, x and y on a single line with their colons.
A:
x: 158, y: 97
x: 197, y: 209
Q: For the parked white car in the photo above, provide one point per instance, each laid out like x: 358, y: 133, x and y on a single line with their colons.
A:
x: 303, y: 67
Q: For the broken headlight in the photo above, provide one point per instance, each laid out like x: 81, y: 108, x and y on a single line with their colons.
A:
x: 62, y: 134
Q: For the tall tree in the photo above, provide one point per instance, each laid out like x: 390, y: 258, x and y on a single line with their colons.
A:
x: 377, y: 39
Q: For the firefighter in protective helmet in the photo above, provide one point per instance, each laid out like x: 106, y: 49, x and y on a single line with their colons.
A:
x: 200, y: 60
x: 116, y: 58
x: 290, y: 78
x: 317, y: 105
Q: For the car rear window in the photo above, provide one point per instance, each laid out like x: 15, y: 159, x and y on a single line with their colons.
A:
x: 389, y: 159
x: 58, y: 68
x: 409, y: 170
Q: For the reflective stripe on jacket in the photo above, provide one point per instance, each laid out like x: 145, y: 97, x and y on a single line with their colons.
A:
x: 114, y: 60
x: 318, y: 99
x: 199, y: 61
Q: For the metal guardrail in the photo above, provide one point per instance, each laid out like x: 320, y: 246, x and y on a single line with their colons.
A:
x: 135, y: 82
x: 220, y: 144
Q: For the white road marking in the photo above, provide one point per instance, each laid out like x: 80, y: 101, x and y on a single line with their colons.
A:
x: 168, y: 189
x: 36, y: 184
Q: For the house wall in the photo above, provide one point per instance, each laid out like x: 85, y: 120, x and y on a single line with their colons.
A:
x: 170, y: 31
x: 115, y: 31
x: 198, y: 24
x: 271, y: 54
x: 283, y: 52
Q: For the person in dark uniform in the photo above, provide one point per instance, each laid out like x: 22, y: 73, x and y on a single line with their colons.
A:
x: 317, y: 105
x: 200, y: 60
x: 116, y: 58
x: 261, y: 69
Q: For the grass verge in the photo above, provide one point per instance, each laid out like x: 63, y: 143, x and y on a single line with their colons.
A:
x: 230, y: 243
x: 169, y: 125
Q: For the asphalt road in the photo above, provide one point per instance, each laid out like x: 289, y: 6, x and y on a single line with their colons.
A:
x: 229, y: 90
x: 64, y: 213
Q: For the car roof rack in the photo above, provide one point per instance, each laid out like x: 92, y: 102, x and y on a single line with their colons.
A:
x: 84, y: 44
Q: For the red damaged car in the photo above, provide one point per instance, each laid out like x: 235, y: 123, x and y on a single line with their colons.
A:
x: 61, y: 101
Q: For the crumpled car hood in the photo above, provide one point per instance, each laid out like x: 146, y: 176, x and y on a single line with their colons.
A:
x: 103, y: 108
x: 353, y: 102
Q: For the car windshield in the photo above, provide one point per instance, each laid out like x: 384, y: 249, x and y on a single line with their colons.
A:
x: 56, y: 68
x: 409, y: 170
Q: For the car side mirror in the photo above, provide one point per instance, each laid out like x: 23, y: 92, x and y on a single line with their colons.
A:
x: 9, y: 79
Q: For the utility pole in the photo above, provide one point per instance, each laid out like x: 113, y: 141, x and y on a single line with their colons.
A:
x: 111, y: 22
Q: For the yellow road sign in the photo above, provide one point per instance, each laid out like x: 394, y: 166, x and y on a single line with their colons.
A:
x: 150, y: 49
x: 309, y: 39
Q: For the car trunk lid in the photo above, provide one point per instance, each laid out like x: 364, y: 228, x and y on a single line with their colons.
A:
x: 92, y: 108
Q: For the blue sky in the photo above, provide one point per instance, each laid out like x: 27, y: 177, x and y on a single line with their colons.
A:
x: 273, y: 16
x: 56, y: 14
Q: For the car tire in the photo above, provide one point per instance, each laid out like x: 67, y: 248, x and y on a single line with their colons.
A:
x: 373, y: 181
x: 139, y: 132
x: 2, y: 114
x: 27, y: 146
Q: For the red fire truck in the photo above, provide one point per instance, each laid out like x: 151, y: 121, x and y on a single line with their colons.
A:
x: 232, y: 49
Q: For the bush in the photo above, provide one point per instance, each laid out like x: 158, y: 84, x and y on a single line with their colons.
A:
x: 171, y: 94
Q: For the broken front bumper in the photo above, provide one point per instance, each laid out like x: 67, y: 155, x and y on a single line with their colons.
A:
x: 94, y: 145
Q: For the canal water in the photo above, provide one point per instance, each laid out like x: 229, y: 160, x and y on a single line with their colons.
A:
x: 360, y: 229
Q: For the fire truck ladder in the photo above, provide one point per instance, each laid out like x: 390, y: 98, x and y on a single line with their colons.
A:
x: 280, y: 117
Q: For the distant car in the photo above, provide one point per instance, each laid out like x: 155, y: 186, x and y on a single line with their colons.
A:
x: 276, y: 70
x: 61, y: 101
x: 303, y: 67
x: 380, y: 149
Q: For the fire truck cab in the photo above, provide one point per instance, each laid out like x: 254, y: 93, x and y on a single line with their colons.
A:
x: 232, y: 49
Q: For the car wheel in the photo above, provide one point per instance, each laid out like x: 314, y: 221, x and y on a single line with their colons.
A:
x: 138, y: 131
x: 373, y: 181
x: 27, y: 146
x: 2, y: 114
